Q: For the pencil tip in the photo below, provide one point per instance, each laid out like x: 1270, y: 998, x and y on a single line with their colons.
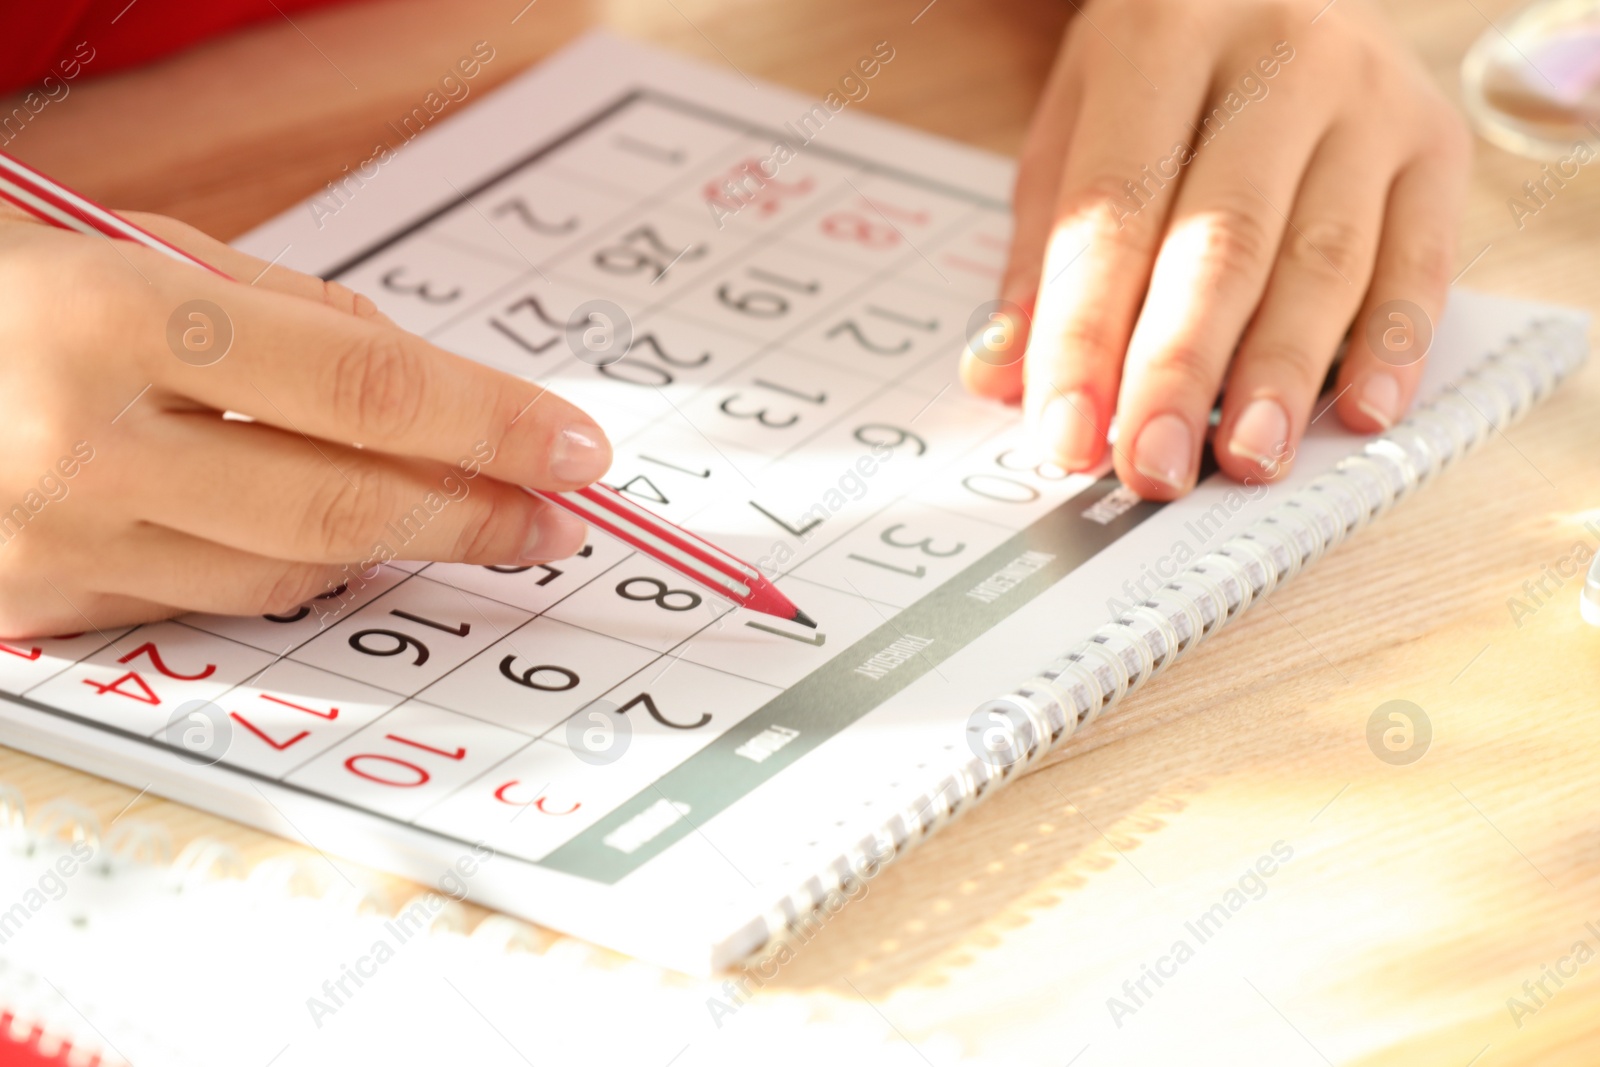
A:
x: 803, y: 619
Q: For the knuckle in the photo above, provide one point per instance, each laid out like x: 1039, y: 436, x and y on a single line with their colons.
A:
x: 520, y: 416
x: 491, y: 532
x: 344, y: 514
x: 48, y: 279
x: 1286, y: 362
x: 1106, y: 199
x: 285, y: 590
x: 1091, y: 341
x: 1235, y: 244
x: 1185, y: 369
x: 41, y: 267
x: 1422, y: 262
x: 379, y: 384
x: 1329, y: 246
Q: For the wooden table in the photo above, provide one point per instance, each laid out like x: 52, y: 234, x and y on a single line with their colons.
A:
x: 1418, y: 899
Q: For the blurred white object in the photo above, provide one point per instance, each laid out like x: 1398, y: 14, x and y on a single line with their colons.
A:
x: 127, y: 957
x: 1533, y: 86
x: 1589, y: 595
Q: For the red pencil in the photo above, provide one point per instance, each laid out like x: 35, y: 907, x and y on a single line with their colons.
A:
x: 600, y: 506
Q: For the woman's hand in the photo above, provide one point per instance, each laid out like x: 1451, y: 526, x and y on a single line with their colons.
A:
x: 1215, y: 190
x: 126, y: 496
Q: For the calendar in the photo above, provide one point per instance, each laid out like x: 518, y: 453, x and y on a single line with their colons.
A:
x: 762, y: 298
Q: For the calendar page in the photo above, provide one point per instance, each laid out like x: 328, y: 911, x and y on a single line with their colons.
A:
x: 781, y: 288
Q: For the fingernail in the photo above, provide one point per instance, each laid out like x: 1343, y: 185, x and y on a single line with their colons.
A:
x: 1164, y: 451
x: 1261, y: 435
x: 581, y: 454
x: 1067, y: 429
x: 1380, y: 398
x: 556, y: 534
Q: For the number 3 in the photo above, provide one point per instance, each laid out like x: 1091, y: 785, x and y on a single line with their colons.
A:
x: 421, y: 290
x: 760, y: 414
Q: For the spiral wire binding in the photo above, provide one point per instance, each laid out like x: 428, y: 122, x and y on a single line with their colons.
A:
x: 1097, y: 673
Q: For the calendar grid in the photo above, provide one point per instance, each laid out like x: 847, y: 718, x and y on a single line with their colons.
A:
x: 626, y: 100
x: 411, y: 695
x: 289, y: 653
x: 550, y: 267
x: 632, y: 210
x: 393, y: 706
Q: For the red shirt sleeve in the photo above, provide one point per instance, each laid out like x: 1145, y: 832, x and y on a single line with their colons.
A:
x: 69, y: 39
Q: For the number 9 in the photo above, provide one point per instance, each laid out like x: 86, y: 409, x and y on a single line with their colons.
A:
x: 530, y: 677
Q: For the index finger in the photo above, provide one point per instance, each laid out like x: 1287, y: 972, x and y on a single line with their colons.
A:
x: 307, y: 368
x: 1106, y: 231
